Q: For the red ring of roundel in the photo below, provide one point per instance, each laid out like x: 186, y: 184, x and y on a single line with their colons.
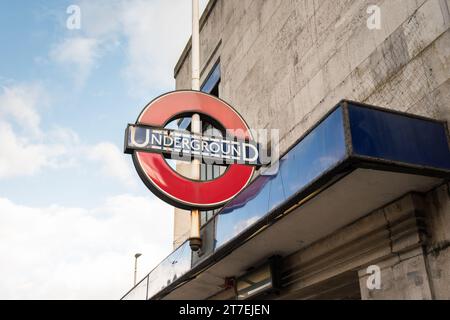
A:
x: 170, y: 186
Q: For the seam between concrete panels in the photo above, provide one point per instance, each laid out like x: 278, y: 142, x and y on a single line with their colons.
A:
x: 416, y: 57
x: 388, y: 228
x: 445, y: 12
x: 244, y: 54
x: 429, y: 274
x: 427, y: 269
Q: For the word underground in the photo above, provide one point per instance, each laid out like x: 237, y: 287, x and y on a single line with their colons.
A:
x: 182, y: 145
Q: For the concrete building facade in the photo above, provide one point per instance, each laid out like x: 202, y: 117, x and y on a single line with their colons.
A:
x: 283, y: 65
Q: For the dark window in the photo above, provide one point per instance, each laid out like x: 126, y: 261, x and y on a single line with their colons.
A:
x: 209, y: 172
x: 211, y: 84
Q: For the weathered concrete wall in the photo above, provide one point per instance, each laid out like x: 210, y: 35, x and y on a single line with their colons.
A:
x: 422, y: 273
x: 397, y: 238
x: 285, y: 63
x: 391, y: 238
x: 438, y: 249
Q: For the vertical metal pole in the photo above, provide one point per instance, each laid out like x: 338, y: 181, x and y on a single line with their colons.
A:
x: 136, y: 256
x: 135, y: 271
x: 195, y: 46
x: 195, y: 241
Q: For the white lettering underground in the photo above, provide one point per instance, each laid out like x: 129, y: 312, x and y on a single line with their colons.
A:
x: 171, y: 142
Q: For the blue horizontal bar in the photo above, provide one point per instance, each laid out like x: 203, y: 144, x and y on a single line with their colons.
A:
x: 395, y: 137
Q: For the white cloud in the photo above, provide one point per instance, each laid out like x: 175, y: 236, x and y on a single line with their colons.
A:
x: 112, y: 162
x: 99, y: 31
x: 58, y: 134
x: 33, y: 149
x: 99, y: 18
x: 79, y: 253
x: 24, y: 155
x: 78, y: 55
x: 157, y: 32
x: 19, y: 104
x: 154, y: 33
x: 56, y: 252
x: 242, y: 225
x: 20, y: 157
x: 25, y: 148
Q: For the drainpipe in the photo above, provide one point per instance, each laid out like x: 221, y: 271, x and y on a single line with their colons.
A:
x: 195, y: 241
x: 195, y: 50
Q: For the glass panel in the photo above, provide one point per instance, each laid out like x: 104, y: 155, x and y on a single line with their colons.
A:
x: 277, y: 195
x: 212, y: 81
x: 209, y: 172
x: 202, y: 171
x: 139, y: 292
x: 391, y: 136
x: 318, y: 152
x: 170, y: 269
x: 203, y: 217
x: 243, y: 211
x: 216, y: 171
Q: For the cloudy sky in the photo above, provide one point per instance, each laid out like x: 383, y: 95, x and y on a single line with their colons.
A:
x: 72, y: 209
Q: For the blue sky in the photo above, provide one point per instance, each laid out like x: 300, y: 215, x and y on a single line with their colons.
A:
x: 72, y: 208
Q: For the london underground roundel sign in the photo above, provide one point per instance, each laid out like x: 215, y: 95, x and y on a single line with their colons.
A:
x: 148, y: 142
